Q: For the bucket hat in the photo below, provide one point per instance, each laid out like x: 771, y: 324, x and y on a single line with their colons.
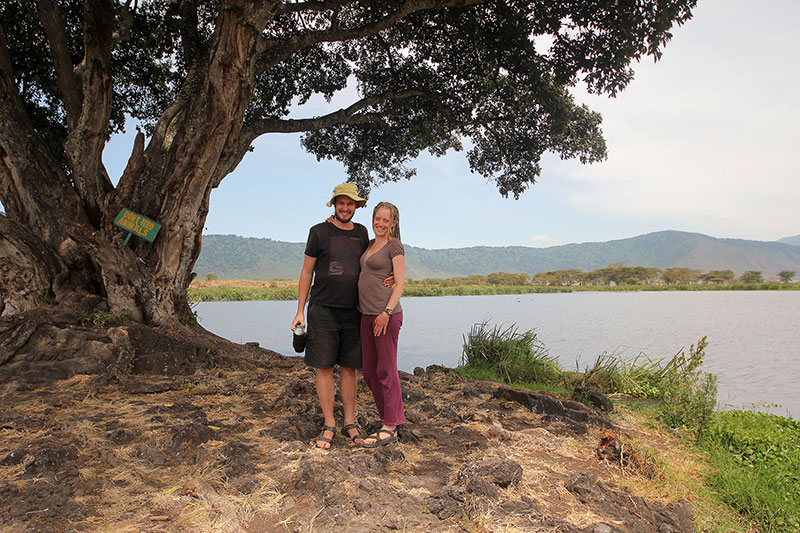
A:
x: 349, y: 190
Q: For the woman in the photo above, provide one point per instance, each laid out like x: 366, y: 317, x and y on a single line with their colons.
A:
x: 381, y: 319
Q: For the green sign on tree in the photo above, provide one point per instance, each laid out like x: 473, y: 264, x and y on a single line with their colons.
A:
x: 137, y: 225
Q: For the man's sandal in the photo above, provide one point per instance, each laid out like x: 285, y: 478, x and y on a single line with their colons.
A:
x: 323, y: 438
x: 379, y: 441
x: 357, y: 434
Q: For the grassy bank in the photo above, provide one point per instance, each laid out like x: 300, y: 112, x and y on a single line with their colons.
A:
x: 244, y: 290
x: 739, y: 469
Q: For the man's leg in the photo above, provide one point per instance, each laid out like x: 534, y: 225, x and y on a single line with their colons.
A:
x: 348, y: 382
x: 349, y: 361
x: 322, y: 346
x: 326, y: 393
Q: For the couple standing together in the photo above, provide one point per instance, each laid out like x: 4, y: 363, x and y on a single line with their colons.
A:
x: 354, y: 313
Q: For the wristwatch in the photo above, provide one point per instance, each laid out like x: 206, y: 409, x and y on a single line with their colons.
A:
x: 388, y: 311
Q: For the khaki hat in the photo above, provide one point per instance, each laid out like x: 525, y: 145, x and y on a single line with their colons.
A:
x: 349, y: 190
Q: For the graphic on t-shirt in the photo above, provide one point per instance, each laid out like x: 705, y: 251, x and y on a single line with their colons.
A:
x: 335, y: 268
x: 345, y: 253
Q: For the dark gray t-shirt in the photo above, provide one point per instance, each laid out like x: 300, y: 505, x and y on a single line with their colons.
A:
x: 373, y: 295
x: 336, y: 272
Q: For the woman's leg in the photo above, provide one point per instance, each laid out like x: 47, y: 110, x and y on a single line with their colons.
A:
x: 369, y: 361
x: 387, y: 375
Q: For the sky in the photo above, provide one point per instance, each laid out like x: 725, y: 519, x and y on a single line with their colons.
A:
x: 706, y: 140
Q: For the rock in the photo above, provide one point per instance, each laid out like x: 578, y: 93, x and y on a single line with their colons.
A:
x: 362, y: 504
x: 535, y: 401
x: 593, y: 397
x: 469, y: 437
x: 411, y: 396
x: 447, y: 502
x: 48, y: 460
x: 582, y: 485
x: 501, y: 472
x: 470, y: 392
x: 193, y: 434
x: 481, y: 487
x: 419, y: 371
x: 329, y: 492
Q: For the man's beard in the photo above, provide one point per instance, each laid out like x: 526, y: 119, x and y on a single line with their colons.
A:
x: 343, y: 220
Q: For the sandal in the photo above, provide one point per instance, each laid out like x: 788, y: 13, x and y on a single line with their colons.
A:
x: 357, y: 435
x: 322, y: 438
x: 379, y: 441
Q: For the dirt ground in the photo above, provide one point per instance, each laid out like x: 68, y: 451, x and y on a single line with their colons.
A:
x: 228, y: 450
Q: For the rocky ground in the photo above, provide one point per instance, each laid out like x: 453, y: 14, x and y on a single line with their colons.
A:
x: 228, y: 450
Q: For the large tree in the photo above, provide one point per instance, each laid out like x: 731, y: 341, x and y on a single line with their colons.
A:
x: 206, y: 78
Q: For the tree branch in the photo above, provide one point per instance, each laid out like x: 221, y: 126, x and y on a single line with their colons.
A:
x: 277, y: 52
x: 350, y: 115
x: 53, y: 22
x: 313, y: 6
x: 85, y: 143
x: 190, y: 38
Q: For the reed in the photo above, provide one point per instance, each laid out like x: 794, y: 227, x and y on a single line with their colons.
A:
x: 510, y: 355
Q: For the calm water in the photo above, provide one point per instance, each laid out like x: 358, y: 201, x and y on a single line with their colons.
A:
x: 754, y: 336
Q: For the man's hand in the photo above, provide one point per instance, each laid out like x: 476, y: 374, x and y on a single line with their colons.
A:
x: 380, y: 323
x: 299, y: 319
x: 389, y: 282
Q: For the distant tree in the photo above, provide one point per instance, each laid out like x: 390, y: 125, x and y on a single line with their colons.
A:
x: 212, y: 276
x: 680, y: 275
x: 504, y: 278
x: 786, y: 275
x: 751, y: 276
x: 718, y: 276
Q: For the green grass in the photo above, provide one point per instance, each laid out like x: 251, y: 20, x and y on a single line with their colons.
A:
x: 238, y: 294
x: 757, y: 466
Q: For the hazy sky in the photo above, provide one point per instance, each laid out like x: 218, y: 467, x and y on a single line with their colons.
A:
x: 706, y: 140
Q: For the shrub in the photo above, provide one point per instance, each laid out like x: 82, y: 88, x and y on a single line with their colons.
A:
x: 513, y: 356
x: 689, y: 395
x: 211, y: 276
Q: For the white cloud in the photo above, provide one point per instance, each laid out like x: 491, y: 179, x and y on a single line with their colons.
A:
x: 543, y: 241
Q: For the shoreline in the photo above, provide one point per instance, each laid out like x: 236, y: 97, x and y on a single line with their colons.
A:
x: 281, y: 290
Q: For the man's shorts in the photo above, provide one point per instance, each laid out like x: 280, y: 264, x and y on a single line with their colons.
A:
x: 333, y: 337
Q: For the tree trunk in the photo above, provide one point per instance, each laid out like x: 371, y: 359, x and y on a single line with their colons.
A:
x: 59, y: 247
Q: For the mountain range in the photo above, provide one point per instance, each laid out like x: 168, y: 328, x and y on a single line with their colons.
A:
x: 234, y: 257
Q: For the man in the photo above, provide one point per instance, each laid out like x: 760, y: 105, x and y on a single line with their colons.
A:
x: 332, y: 255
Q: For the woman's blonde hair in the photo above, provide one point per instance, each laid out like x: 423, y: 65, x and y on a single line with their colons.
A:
x: 394, y: 231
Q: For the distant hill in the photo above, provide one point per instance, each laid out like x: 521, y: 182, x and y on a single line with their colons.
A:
x: 794, y: 241
x: 234, y: 257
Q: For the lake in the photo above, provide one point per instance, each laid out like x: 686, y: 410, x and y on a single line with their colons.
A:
x: 753, y: 336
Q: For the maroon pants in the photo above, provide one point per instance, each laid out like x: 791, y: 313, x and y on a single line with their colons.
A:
x: 379, y: 364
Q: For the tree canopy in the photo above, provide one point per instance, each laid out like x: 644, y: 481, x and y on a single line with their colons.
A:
x: 206, y: 78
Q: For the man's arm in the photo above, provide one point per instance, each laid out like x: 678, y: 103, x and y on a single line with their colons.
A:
x: 303, y: 288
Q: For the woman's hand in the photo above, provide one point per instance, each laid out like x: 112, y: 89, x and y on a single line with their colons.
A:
x: 380, y: 323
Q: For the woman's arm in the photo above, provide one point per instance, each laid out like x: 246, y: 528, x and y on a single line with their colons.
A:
x: 382, y: 320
